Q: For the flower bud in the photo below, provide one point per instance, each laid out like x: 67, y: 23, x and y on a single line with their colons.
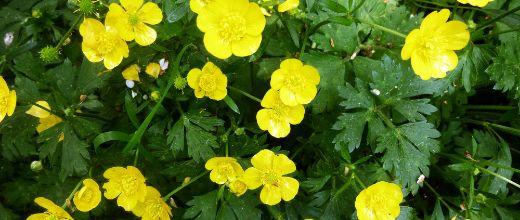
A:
x: 239, y: 131
x: 86, y: 6
x: 130, y: 84
x: 8, y: 38
x: 36, y: 13
x: 36, y: 166
x: 49, y: 54
x: 155, y: 95
x: 186, y: 180
x: 179, y: 83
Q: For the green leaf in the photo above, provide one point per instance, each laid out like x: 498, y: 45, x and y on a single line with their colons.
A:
x: 239, y: 208
x: 337, y: 38
x: 505, y: 70
x: 110, y: 136
x: 200, y: 143
x: 74, y: 155
x: 437, y: 211
x: 472, y: 64
x: 492, y: 184
x: 231, y: 104
x: 315, y: 184
x: 202, y: 207
x: 176, y: 136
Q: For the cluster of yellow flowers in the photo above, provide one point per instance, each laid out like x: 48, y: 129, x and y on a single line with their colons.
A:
x: 126, y: 22
x: 7, y: 100
x: 268, y: 171
x: 46, y: 118
x: 292, y: 86
x: 126, y: 184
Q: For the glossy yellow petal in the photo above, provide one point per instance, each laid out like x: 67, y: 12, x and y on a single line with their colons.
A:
x: 270, y: 99
x: 37, y: 111
x: 262, y: 119
x: 252, y: 178
x: 435, y: 20
x: 288, y: 96
x: 131, y: 5
x: 289, y: 188
x: 91, y: 26
x: 88, y: 197
x: 48, y: 122
x: 295, y: 114
x: 4, y: 89
x: 153, y: 69
x: 135, y: 173
x: 278, y: 79
x: 454, y: 35
x: 478, y: 3
x: 52, y: 209
x: 305, y: 95
x: 112, y: 190
x: 270, y: 195
x: 311, y: 74
x: 213, y: 162
x: 246, y: 46
x: 132, y: 73
x: 428, y: 65
x: 114, y: 58
x: 150, y: 13
x: 90, y: 53
x: 255, y: 20
x: 379, y: 201
x: 263, y: 160
x: 118, y: 19
x: 288, y: 5
x: 411, y: 43
x: 199, y: 93
x: 238, y: 187
x: 38, y: 216
x: 197, y: 5
x: 11, y: 103
x: 282, y: 165
x: 193, y: 78
x: 127, y: 202
x: 114, y: 172
x: 208, y: 21
x: 222, y: 81
x: 218, y: 177
x: 144, y: 35
x: 218, y: 94
x: 291, y: 64
x: 217, y: 46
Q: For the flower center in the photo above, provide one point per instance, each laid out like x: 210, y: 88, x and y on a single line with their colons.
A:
x: 154, y: 209
x: 294, y: 81
x: 129, y: 184
x: 51, y: 217
x: 270, y: 178
x: 233, y: 28
x: 133, y: 19
x: 207, y: 83
x: 226, y: 169
x: 105, y: 43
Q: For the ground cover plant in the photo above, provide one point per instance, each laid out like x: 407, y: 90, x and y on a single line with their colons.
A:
x: 259, y: 109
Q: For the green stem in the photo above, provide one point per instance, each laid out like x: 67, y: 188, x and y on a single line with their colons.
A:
x: 503, y: 128
x: 245, y: 94
x: 67, y: 34
x: 385, y: 29
x: 136, y: 158
x: 184, y: 185
x: 497, y: 175
x: 72, y: 194
x: 502, y: 32
x: 490, y: 107
x: 385, y: 119
x: 358, y: 180
x: 481, y: 163
x: 136, y: 138
x: 500, y: 16
x: 343, y: 187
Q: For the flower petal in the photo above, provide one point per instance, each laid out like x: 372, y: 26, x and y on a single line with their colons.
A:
x: 112, y: 190
x: 218, y: 94
x: 435, y: 20
x: 114, y: 172
x: 289, y: 97
x: 255, y: 20
x: 213, y: 162
x: 4, y: 89
x: 144, y: 35
x: 11, y: 103
x: 433, y: 64
x: 311, y: 74
x: 91, y: 26
x: 117, y: 18
x: 289, y: 188
x: 216, y: 46
x: 193, y: 78
x: 150, y: 13
x: 263, y: 160
x: 283, y: 165
x: 252, y: 178
x: 288, y: 5
x: 131, y: 5
x: 295, y: 114
x: 411, y: 43
x: 263, y: 118
x: 247, y: 45
x: 306, y: 94
x: 454, y: 35
x: 38, y: 216
x: 39, y: 112
x: 197, y: 5
x: 278, y: 79
x: 270, y: 195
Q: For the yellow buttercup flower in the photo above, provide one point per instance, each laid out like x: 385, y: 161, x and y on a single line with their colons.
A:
x: 102, y: 44
x: 46, y: 119
x: 153, y: 207
x: 132, y: 73
x: 296, y: 82
x: 231, y: 27
x: 276, y: 117
x: 131, y: 20
x: 210, y: 82
x: 223, y: 169
x: 52, y: 211
x: 379, y: 201
x: 431, y: 48
x: 7, y: 100
x: 238, y: 187
x: 197, y: 5
x: 269, y: 170
x: 127, y: 184
x: 153, y: 69
x: 478, y: 3
x: 88, y: 197
x: 288, y: 5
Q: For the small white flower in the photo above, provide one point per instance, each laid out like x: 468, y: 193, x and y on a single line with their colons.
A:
x: 375, y: 92
x: 130, y: 84
x: 145, y: 97
x: 8, y: 38
x: 420, y: 179
x: 134, y: 94
x: 164, y: 64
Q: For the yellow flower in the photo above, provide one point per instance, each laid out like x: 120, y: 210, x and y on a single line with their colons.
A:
x: 153, y: 207
x: 46, y: 119
x: 88, y: 197
x: 132, y: 73
x: 296, y: 82
x: 276, y: 117
x: 7, y: 100
x: 479, y: 3
x: 379, y: 201
x: 288, y: 5
x: 102, y: 44
x: 431, y: 47
x: 231, y: 27
x: 197, y: 5
x: 238, y: 187
x: 269, y: 170
x: 131, y: 19
x: 210, y: 82
x: 53, y: 211
x: 223, y: 169
x: 126, y: 184
x: 153, y: 69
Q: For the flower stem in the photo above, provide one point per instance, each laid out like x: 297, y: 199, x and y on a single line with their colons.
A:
x: 245, y: 94
x: 490, y: 107
x: 136, y: 158
x: 72, y: 194
x: 503, y: 128
x: 497, y: 175
x: 179, y: 188
x: 385, y: 29
x: 67, y: 34
x: 500, y: 16
x: 358, y: 180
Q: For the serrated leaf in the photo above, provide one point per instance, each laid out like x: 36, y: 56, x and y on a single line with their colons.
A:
x: 505, y: 70
x: 202, y: 207
x: 74, y: 154
x: 239, y: 208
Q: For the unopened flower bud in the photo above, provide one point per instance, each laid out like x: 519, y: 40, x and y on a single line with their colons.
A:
x: 36, y: 166
x: 155, y: 95
x: 186, y: 180
x: 86, y: 6
x: 36, y: 13
x: 8, y: 38
x: 49, y: 54
x: 129, y: 84
x: 239, y: 131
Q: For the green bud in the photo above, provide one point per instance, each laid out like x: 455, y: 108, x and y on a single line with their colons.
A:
x: 481, y: 198
x: 471, y: 24
x: 49, y: 54
x: 69, y: 112
x: 239, y: 131
x: 36, y: 166
x: 37, y: 13
x: 156, y: 95
x: 179, y: 83
x: 476, y: 171
x: 224, y: 138
x: 86, y: 6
